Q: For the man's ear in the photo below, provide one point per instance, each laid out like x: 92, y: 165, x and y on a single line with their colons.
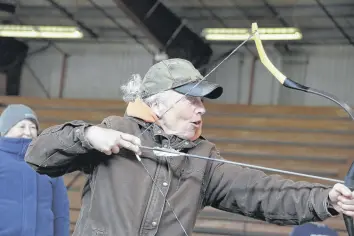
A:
x: 158, y: 108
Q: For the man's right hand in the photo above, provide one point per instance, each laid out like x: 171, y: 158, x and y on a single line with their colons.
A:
x: 110, y: 141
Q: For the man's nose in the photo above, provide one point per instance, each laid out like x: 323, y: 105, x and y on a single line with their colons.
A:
x: 200, y: 109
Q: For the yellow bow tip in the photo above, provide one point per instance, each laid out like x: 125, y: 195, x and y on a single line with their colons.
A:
x: 254, y: 28
x: 263, y: 56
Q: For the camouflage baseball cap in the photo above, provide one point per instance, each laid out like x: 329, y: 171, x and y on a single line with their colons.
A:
x: 179, y: 75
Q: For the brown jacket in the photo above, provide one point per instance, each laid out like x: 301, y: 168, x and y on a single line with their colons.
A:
x: 119, y: 197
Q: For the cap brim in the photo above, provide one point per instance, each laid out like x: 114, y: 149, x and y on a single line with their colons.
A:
x: 203, y: 89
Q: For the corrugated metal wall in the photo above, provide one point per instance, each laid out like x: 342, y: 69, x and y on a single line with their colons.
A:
x: 97, y: 71
x: 332, y: 70
x: 93, y: 71
x: 44, y: 68
x: 235, y: 75
x: 101, y: 76
x: 326, y: 68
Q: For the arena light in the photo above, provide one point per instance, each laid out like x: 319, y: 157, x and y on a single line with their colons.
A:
x: 241, y: 34
x: 32, y: 31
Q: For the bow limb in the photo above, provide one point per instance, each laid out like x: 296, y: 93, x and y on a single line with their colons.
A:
x: 287, y: 82
x: 349, y: 179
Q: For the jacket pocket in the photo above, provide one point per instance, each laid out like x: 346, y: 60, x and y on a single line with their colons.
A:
x: 98, y: 229
x: 99, y: 232
x: 186, y: 166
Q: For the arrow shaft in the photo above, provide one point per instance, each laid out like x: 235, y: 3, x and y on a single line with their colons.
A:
x: 169, y: 151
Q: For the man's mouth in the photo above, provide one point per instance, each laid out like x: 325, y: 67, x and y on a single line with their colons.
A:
x: 197, y: 122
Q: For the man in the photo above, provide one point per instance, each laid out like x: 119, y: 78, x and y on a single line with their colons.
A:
x: 30, y: 204
x: 120, y: 197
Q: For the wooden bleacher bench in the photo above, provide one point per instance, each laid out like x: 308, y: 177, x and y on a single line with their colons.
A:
x: 269, y: 136
x: 248, y: 124
x: 58, y: 103
x: 211, y: 120
x: 290, y: 124
x: 262, y: 110
x: 310, y: 140
x: 286, y: 150
x: 231, y: 223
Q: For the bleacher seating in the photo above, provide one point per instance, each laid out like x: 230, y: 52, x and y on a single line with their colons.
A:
x: 311, y: 140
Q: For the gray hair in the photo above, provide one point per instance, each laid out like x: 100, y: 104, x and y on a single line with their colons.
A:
x: 131, y: 91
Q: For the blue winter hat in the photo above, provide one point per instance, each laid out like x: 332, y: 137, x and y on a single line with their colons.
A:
x: 15, y: 113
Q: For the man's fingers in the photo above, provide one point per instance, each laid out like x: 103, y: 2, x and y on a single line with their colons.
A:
x: 346, y: 207
x: 131, y: 138
x: 130, y: 142
x: 349, y: 213
x: 115, y: 149
x: 345, y: 200
x: 110, y: 141
x: 342, y: 190
x: 131, y: 146
x: 107, y: 152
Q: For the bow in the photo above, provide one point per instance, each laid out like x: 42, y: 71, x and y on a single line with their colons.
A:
x: 349, y: 180
x: 286, y: 82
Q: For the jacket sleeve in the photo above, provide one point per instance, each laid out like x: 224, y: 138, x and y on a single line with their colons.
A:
x: 61, y: 208
x: 63, y: 149
x: 270, y: 198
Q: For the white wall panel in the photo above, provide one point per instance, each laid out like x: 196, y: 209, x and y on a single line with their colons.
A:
x: 266, y: 87
x: 326, y: 68
x: 235, y: 77
x: 295, y: 67
x: 228, y: 76
x: 100, y: 76
x: 98, y: 70
x: 93, y: 71
x: 334, y: 74
x: 47, y: 68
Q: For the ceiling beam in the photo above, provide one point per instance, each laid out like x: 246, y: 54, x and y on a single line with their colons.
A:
x: 283, y: 23
x: 191, y: 13
x: 343, y: 32
x: 71, y: 17
x: 48, y: 41
x: 166, y: 30
x: 121, y: 27
x: 275, y: 13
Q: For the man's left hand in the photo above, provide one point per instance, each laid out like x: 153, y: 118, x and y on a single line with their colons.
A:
x: 342, y: 199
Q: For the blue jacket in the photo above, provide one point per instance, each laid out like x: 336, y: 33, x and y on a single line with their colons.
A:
x: 30, y: 204
x: 309, y: 229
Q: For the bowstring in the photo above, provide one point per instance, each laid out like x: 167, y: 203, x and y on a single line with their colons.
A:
x: 159, y: 118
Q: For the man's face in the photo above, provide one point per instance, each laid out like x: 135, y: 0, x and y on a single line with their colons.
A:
x: 185, y: 116
x: 23, y: 129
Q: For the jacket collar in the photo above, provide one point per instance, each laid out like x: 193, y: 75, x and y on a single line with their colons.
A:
x: 166, y: 140
x: 141, y: 113
x: 16, y: 147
